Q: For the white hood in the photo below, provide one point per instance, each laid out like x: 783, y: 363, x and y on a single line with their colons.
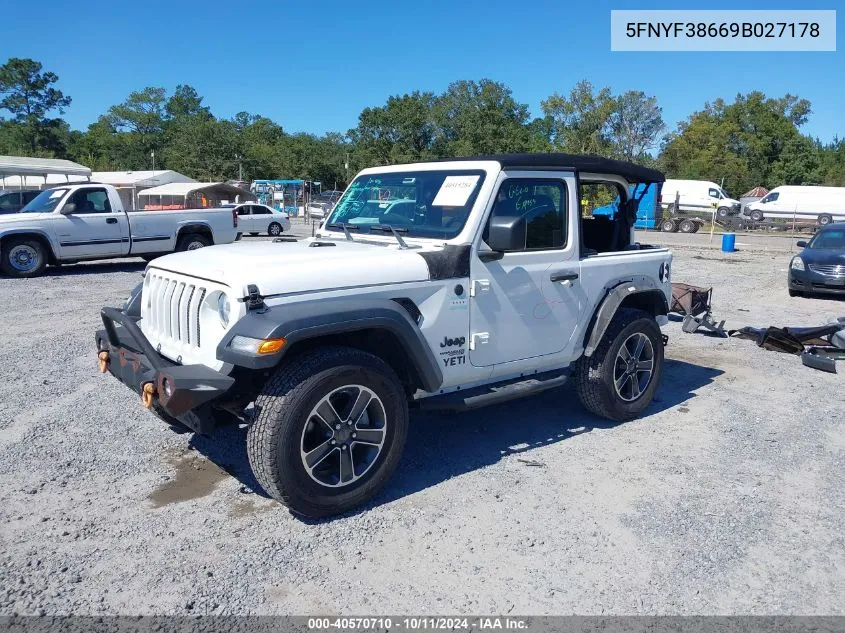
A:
x: 292, y: 267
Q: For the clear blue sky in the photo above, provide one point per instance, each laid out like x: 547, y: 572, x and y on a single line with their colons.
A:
x: 313, y: 66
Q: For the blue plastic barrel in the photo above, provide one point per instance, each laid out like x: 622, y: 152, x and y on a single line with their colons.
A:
x: 728, y: 242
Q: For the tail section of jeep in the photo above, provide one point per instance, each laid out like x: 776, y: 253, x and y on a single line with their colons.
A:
x: 451, y: 284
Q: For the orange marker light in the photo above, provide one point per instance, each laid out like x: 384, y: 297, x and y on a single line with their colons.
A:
x: 271, y: 345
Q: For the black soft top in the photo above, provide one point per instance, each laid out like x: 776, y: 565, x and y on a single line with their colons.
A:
x: 576, y: 162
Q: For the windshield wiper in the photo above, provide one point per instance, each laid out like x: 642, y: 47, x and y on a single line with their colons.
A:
x: 387, y: 227
x: 345, y: 227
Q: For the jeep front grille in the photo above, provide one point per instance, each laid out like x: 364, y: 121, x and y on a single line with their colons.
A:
x: 173, y: 309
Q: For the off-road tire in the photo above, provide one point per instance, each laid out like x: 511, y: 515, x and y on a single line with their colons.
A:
x: 186, y: 241
x: 594, y: 375
x: 275, y: 229
x: 282, y: 410
x: 10, y: 244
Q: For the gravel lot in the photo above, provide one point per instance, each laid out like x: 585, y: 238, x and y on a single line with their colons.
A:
x: 728, y: 497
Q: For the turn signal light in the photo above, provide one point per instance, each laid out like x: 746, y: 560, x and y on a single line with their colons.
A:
x: 271, y: 345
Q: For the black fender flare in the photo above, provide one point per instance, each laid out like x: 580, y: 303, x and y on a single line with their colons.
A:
x: 297, y: 322
x: 616, y: 294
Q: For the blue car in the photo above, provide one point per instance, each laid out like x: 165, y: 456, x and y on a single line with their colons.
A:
x: 820, y: 267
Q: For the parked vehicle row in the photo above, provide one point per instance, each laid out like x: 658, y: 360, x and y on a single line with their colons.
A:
x: 87, y: 221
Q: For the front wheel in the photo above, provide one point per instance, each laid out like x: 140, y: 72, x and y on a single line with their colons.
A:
x: 23, y: 257
x: 723, y: 212
x: 825, y: 219
x: 329, y: 431
x: 274, y: 229
x: 619, y: 380
x: 757, y: 215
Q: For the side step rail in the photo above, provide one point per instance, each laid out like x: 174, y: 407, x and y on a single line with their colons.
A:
x: 497, y: 393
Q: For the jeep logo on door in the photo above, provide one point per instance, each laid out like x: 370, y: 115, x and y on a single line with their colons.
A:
x: 453, y: 342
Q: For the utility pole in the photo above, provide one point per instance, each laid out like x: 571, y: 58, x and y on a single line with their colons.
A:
x: 240, y: 167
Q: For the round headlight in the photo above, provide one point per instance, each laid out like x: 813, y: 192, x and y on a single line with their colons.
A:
x: 223, y: 308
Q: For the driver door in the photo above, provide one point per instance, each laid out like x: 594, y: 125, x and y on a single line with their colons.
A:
x: 528, y: 303
x: 92, y: 229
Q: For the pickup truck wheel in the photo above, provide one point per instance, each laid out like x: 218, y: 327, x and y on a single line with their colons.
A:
x: 274, y: 229
x: 192, y: 241
x: 618, y: 381
x: 23, y: 257
x: 329, y: 430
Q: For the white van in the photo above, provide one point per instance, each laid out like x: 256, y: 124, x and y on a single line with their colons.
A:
x: 698, y: 196
x: 822, y: 204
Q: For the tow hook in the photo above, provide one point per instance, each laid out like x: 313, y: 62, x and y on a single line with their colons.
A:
x: 103, y: 361
x: 147, y: 393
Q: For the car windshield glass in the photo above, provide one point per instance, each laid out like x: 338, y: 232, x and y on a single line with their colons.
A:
x: 45, y: 202
x: 829, y: 238
x: 433, y: 204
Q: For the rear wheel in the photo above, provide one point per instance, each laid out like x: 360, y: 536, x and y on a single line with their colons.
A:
x: 23, y: 257
x: 619, y: 380
x: 274, y: 229
x: 329, y: 431
x: 669, y: 226
x: 687, y: 226
x: 192, y: 241
x: 825, y: 219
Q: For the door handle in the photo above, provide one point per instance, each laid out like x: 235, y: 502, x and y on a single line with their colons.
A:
x: 111, y: 220
x: 563, y: 275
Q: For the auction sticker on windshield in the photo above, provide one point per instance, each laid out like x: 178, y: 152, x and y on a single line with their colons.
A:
x: 455, y: 191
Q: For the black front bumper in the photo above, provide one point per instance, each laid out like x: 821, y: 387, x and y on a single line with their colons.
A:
x: 809, y: 281
x: 183, y: 391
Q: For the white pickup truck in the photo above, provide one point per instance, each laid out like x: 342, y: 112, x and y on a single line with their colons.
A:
x: 87, y: 221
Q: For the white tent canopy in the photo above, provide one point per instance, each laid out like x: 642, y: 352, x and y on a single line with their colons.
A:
x: 24, y: 166
x: 22, y: 171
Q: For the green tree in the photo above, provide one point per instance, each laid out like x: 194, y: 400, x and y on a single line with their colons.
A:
x: 480, y: 117
x: 636, y: 123
x: 580, y: 122
x: 28, y: 94
x: 400, y: 131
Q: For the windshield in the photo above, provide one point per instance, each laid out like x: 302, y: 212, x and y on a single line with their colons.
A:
x: 829, y: 238
x: 434, y: 204
x: 45, y: 202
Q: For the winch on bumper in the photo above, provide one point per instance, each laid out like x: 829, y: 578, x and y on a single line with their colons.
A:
x: 183, y: 391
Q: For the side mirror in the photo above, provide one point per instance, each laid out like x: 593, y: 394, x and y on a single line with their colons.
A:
x: 507, y: 233
x: 69, y: 208
x: 801, y: 244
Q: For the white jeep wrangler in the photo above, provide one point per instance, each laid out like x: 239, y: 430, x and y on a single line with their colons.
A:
x: 451, y: 284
